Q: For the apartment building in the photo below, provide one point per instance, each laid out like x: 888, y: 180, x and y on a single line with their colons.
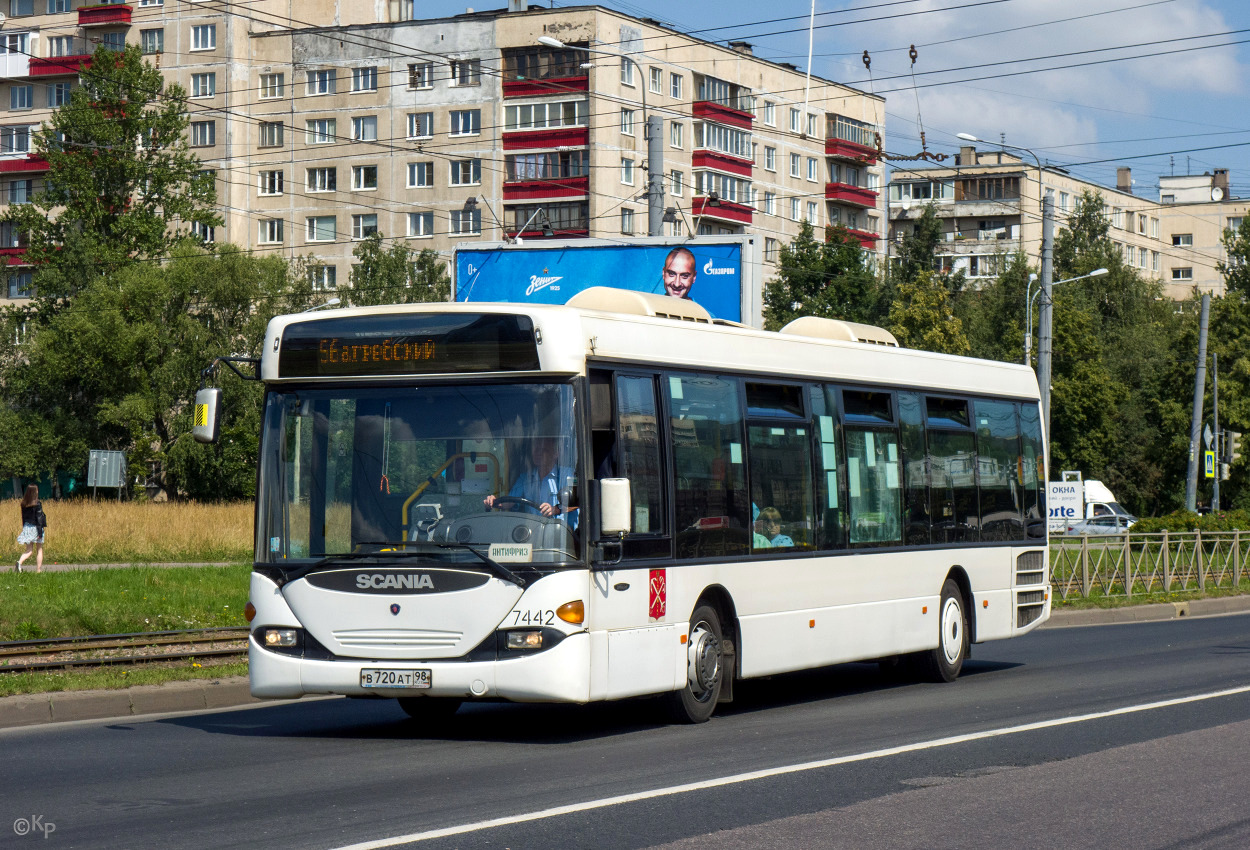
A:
x: 1196, y: 210
x: 328, y: 121
x: 990, y: 204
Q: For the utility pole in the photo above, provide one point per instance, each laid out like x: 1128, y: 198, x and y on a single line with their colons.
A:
x: 1046, y: 316
x: 1215, y: 383
x: 1195, y: 424
x: 655, y: 171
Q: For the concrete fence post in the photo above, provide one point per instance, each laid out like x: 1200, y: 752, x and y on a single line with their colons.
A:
x: 1128, y: 567
x: 1236, y: 559
x: 1084, y: 566
x: 1198, y: 554
x: 1167, y: 563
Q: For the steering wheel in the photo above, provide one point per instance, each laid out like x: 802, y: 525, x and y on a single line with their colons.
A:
x: 499, y: 500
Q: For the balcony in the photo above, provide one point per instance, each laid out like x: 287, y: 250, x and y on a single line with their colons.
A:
x: 710, y: 110
x: 549, y: 187
x: 842, y: 149
x: 539, y: 88
x: 104, y: 16
x: 59, y: 66
x: 867, y: 239
x: 854, y: 195
x: 559, y: 137
x: 721, y: 162
x: 30, y: 163
x: 13, y: 256
x: 727, y: 211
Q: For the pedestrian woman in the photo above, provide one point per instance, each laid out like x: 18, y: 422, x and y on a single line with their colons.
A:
x: 34, y: 523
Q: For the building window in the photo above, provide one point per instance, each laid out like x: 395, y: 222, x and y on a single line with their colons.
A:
x: 322, y: 180
x: 1182, y: 240
x: 420, y: 175
x: 627, y: 71
x: 627, y: 122
x: 677, y: 183
x: 466, y: 122
x: 466, y: 222
x: 466, y: 172
x: 203, y: 133
x: 421, y: 224
x: 203, y: 85
x: 321, y: 228
x: 60, y: 45
x: 21, y: 7
x: 1154, y: 228
x: 320, y: 82
x: 676, y: 131
x: 364, y: 226
x: 1183, y: 274
x: 365, y: 79
x: 152, y: 41
x: 1154, y: 261
x: 365, y: 128
x: 20, y: 191
x: 675, y: 85
x: 20, y: 285
x: 319, y: 131
x: 58, y: 6
x: 115, y: 41
x: 546, y: 166
x: 21, y: 97
x: 1167, y: 199
x: 272, y: 86
x: 796, y: 162
x: 1234, y: 223
x: 656, y: 80
x: 770, y: 203
x: 627, y: 171
x: 795, y: 116
x: 271, y: 182
x: 675, y: 227
x: 270, y: 134
x: 271, y: 231
x: 794, y: 209
x: 420, y: 125
x: 537, y: 116
x: 421, y: 75
x: 811, y: 212
x: 15, y: 139
x: 322, y: 277
x: 1063, y: 202
x: 770, y: 250
x: 141, y: 2
x: 813, y: 173
x: 204, y: 37
x: 206, y: 233
x: 466, y: 72
x: 627, y: 222
x: 770, y: 113
x: 364, y: 177
x: 770, y: 159
x: 1117, y: 218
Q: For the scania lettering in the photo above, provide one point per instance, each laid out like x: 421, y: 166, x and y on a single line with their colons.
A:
x: 625, y: 496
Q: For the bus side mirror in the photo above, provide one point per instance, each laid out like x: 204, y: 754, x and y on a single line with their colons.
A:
x: 207, y: 425
x: 615, y: 507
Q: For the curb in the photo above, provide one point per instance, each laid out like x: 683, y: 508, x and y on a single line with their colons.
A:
x: 204, y: 694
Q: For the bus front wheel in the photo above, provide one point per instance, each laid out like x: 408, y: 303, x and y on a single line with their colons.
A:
x: 944, y: 663
x: 705, y: 669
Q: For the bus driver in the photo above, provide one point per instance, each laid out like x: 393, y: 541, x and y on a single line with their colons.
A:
x: 540, y: 484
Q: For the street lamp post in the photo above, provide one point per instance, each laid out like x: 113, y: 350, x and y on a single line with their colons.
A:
x: 1028, y: 321
x: 654, y: 130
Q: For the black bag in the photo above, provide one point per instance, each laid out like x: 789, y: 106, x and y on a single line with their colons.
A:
x: 41, y: 519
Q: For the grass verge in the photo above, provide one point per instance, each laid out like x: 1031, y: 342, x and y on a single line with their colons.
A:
x: 12, y: 684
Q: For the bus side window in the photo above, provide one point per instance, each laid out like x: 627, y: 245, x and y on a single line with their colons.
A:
x: 998, y: 466
x: 915, y: 471
x: 830, y: 470
x: 638, y: 439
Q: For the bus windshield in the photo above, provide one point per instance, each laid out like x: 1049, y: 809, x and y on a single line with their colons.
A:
x: 451, y: 471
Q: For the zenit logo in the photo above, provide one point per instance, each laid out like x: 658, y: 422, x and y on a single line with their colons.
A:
x: 537, y: 283
x: 380, y: 581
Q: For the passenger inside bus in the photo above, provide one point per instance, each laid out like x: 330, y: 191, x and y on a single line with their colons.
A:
x: 770, y: 525
x: 542, y: 488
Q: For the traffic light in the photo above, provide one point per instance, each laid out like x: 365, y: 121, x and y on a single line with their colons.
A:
x: 1232, y: 446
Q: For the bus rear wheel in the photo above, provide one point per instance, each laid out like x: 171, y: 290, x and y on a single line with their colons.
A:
x: 705, y: 669
x: 429, y: 708
x: 944, y: 663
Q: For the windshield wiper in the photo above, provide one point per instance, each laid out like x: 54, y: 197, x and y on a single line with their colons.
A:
x: 495, y: 567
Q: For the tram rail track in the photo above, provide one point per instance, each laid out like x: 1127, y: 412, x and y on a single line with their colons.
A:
x: 121, y: 649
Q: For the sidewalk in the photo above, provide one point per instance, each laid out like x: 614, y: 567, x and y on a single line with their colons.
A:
x: 202, y: 694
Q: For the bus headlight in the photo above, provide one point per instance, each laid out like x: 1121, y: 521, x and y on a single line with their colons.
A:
x: 273, y: 638
x: 525, y: 640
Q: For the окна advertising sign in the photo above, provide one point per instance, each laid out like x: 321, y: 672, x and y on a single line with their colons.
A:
x: 711, y: 275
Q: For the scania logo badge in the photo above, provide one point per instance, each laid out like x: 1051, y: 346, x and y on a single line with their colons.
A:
x: 394, y: 609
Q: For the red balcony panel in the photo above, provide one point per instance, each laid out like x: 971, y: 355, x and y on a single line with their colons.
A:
x: 866, y: 239
x: 539, y: 88
x: 561, y: 137
x: 25, y: 164
x: 849, y: 150
x: 853, y: 195
x: 99, y: 16
x: 13, y: 256
x: 721, y: 162
x: 726, y: 211
x: 710, y: 111
x: 58, y: 66
x: 558, y: 187
x: 536, y: 232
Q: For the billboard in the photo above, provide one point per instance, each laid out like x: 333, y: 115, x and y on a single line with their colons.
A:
x: 722, y: 278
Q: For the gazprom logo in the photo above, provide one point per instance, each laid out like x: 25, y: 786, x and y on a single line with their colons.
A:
x: 539, y: 283
x: 708, y: 268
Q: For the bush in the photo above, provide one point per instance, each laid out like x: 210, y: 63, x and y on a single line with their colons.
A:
x: 1187, y: 521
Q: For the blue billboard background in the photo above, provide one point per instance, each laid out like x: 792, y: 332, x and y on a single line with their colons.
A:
x: 554, y: 275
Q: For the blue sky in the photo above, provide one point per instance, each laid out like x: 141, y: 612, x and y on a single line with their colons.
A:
x: 1181, y: 107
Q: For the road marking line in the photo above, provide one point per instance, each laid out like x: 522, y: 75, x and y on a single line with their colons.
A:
x: 751, y: 776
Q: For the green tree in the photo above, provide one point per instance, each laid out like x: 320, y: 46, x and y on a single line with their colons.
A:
x: 830, y: 279
x: 919, y: 247
x: 1236, y: 269
x: 122, y: 184
x: 921, y: 317
x: 396, y: 275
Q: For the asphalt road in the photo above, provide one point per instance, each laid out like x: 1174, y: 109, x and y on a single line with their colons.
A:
x: 1118, y: 736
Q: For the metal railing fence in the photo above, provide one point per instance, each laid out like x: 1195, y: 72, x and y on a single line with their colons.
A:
x: 1136, y: 564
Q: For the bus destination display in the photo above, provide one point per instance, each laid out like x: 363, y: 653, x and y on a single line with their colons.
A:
x: 405, y: 345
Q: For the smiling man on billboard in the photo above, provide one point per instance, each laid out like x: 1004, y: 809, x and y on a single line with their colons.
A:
x: 679, y: 273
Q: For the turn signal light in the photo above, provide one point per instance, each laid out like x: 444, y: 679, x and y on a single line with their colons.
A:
x: 572, y: 612
x: 249, y: 612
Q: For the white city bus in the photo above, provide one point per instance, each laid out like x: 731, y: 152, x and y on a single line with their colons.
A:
x: 710, y: 503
